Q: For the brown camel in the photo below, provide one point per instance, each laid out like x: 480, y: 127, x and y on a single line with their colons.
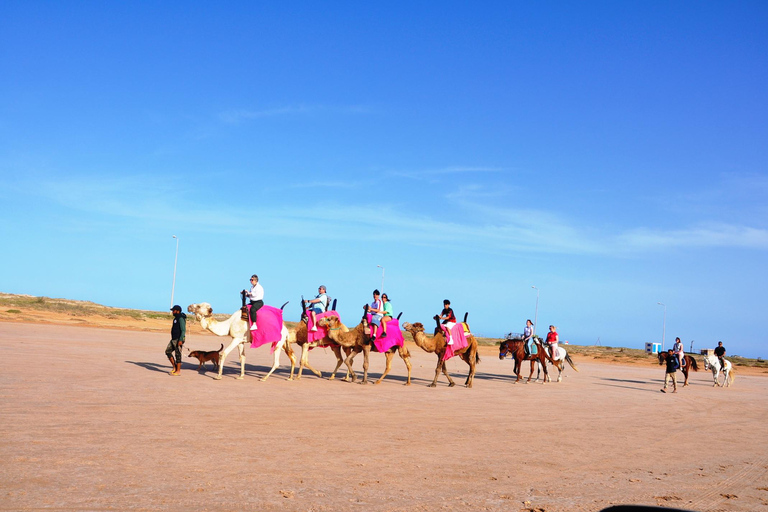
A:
x: 300, y: 339
x: 358, y: 340
x: 437, y: 345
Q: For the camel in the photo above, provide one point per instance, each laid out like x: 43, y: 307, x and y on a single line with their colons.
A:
x: 237, y: 328
x: 358, y: 340
x: 300, y: 338
x: 437, y: 345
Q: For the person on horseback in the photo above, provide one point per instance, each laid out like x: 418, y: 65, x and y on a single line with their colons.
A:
x: 679, y: 353
x: 720, y: 353
x: 528, y: 337
x: 317, y: 305
x: 552, y: 339
x: 449, y: 320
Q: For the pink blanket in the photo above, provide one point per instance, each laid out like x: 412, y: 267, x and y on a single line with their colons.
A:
x: 321, y: 331
x: 270, y: 322
x: 394, y: 335
x: 459, y: 341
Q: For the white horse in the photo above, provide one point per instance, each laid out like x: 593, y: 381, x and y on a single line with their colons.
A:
x: 560, y: 358
x: 712, y: 362
x: 237, y: 328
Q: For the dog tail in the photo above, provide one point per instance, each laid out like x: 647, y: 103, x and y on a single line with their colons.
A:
x: 222, y: 348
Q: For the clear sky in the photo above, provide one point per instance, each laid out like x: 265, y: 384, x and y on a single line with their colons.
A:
x: 612, y: 154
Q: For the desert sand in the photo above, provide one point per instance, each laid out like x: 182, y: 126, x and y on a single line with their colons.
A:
x: 91, y: 420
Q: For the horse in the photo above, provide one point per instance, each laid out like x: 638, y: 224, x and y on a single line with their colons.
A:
x: 516, y: 346
x: 690, y: 362
x: 561, y: 356
x: 713, y: 363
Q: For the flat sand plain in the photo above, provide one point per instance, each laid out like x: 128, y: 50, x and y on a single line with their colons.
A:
x: 91, y: 420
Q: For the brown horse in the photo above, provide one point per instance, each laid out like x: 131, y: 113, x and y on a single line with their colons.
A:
x: 690, y: 362
x: 516, y: 347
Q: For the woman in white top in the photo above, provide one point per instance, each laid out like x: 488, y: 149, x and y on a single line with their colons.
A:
x: 256, y: 296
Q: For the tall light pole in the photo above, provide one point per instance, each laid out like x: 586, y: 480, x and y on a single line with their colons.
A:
x: 536, y: 315
x: 176, y: 259
x: 382, y: 278
x: 664, y: 331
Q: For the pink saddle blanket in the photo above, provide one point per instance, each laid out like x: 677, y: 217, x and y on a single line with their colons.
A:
x: 270, y: 322
x: 394, y: 335
x: 459, y: 341
x: 321, y: 331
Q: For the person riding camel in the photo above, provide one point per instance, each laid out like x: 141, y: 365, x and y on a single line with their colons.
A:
x: 449, y: 320
x: 256, y: 296
x: 388, y: 313
x: 376, y: 309
x: 317, y: 305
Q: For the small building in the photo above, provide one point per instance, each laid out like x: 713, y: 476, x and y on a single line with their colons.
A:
x: 707, y: 351
x: 653, y: 348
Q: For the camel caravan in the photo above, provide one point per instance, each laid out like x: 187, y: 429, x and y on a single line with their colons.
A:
x: 320, y: 326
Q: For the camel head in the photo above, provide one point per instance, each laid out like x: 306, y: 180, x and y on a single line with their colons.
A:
x: 330, y: 322
x: 202, y: 310
x: 413, y: 328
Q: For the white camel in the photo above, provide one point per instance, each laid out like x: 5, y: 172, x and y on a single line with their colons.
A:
x: 237, y: 328
x: 712, y: 362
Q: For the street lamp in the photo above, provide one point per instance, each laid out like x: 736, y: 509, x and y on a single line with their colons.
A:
x: 664, y: 331
x: 382, y: 278
x: 173, y: 287
x: 536, y: 315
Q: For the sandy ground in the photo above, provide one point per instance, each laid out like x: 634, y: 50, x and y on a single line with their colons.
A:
x: 91, y: 420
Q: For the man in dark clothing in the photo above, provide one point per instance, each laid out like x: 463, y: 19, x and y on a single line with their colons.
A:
x: 720, y: 353
x: 672, y: 366
x: 178, y: 333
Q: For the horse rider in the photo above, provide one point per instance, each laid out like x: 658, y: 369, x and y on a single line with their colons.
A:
x: 552, y: 339
x: 720, y: 353
x: 679, y: 352
x: 528, y: 337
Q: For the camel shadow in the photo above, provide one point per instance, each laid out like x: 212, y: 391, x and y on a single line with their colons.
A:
x: 626, y: 380
x: 634, y: 388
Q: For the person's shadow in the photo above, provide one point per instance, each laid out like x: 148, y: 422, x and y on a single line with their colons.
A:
x: 155, y: 367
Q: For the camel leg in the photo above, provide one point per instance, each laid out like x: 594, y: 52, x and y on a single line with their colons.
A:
x: 291, y: 356
x: 241, y: 348
x: 366, y: 353
x: 311, y: 368
x: 303, y: 359
x: 406, y: 357
x: 389, y: 354
x: 339, y: 361
x: 450, y: 380
x: 437, y: 370
x: 351, y: 377
x: 235, y: 343
x: 276, y: 362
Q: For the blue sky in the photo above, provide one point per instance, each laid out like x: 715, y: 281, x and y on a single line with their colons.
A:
x: 613, y: 154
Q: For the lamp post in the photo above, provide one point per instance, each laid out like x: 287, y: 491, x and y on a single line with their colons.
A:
x: 382, y: 278
x: 664, y: 329
x: 536, y: 315
x: 176, y: 259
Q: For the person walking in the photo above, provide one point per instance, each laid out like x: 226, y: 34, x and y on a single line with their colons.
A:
x: 256, y: 296
x: 671, y: 372
x: 178, y: 334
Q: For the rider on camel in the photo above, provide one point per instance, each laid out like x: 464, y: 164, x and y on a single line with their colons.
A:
x: 449, y: 320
